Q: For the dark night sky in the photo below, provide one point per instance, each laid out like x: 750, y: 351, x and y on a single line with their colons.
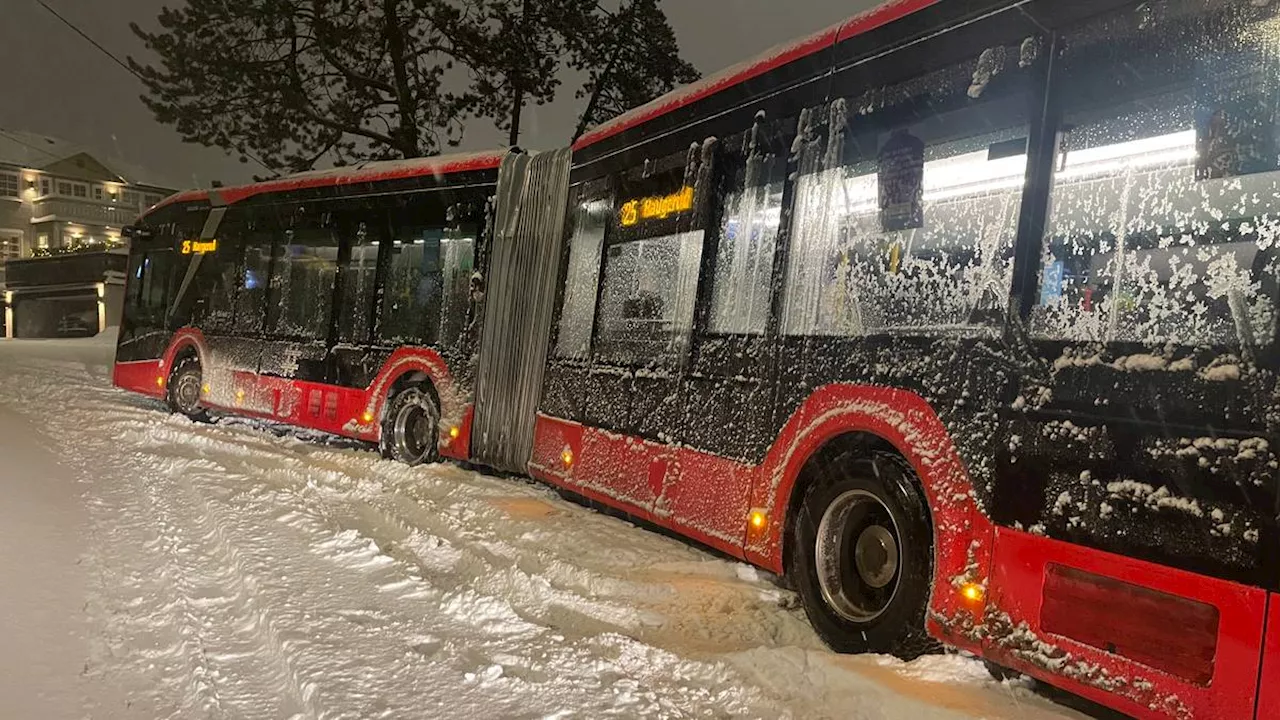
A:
x: 58, y: 84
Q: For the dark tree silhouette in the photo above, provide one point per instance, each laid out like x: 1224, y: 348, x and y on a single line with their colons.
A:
x: 296, y: 83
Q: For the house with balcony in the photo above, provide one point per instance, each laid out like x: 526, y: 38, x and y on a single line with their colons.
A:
x: 62, y: 252
x: 57, y: 197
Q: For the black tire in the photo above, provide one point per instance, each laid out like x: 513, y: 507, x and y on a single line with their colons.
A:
x: 185, y: 388
x: 411, y: 427
x: 877, y: 555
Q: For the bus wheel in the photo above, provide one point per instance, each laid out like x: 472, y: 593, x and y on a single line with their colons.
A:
x: 862, y: 559
x: 410, y: 427
x: 183, y: 392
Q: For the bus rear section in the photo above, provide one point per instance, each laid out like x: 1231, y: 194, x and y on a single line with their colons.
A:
x: 965, y: 323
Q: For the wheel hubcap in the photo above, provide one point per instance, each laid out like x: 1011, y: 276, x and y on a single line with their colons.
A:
x: 414, y: 429
x: 187, y: 393
x: 857, y: 556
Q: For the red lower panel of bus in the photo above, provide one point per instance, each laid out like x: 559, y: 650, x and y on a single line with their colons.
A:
x: 1145, y: 639
x: 145, y: 377
x: 350, y: 412
x: 1269, y: 681
x: 741, y: 509
x: 701, y: 496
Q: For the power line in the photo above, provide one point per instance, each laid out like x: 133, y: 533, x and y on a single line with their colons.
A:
x: 92, y: 42
x: 122, y: 63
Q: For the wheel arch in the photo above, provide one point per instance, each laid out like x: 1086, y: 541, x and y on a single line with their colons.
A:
x: 410, y: 378
x: 865, y: 444
x: 186, y: 343
x: 408, y: 366
x: 885, y: 420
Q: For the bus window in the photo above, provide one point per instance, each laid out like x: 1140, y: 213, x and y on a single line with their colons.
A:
x: 457, y: 265
x: 907, y: 205
x: 652, y: 261
x: 303, y: 274
x: 1163, y: 225
x: 741, y: 286
x: 156, y: 276
x: 133, y: 287
x: 646, y: 310
x: 414, y: 284
x: 212, y: 299
x: 358, y: 284
x: 591, y: 211
x: 251, y: 283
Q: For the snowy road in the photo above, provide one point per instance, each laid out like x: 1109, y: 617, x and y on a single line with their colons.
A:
x: 153, y: 568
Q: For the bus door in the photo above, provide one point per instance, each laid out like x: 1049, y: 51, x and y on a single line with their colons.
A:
x: 519, y: 305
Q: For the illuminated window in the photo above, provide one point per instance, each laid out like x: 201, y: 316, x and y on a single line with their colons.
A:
x: 741, y: 288
x: 591, y: 216
x: 908, y: 226
x: 10, y: 245
x: 1162, y: 225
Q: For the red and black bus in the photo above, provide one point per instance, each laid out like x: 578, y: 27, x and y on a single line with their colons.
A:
x: 961, y: 316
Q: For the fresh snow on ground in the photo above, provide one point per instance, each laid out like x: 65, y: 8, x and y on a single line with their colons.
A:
x: 156, y: 568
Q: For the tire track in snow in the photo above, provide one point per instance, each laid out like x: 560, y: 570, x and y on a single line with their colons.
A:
x: 209, y: 603
x: 318, y: 505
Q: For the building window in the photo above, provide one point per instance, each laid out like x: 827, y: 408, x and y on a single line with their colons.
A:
x: 8, y: 185
x: 64, y: 188
x: 129, y: 197
x: 10, y: 246
x: 97, y: 192
x: 46, y: 186
x: 80, y: 190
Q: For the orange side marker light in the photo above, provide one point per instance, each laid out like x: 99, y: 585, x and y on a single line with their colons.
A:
x: 973, y: 592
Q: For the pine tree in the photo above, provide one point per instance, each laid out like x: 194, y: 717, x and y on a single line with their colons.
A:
x: 296, y: 83
x: 636, y: 59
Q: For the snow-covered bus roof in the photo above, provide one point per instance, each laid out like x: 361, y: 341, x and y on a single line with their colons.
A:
x: 770, y: 60
x: 348, y: 175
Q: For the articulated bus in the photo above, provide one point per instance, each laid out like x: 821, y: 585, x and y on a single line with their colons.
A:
x: 960, y: 316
